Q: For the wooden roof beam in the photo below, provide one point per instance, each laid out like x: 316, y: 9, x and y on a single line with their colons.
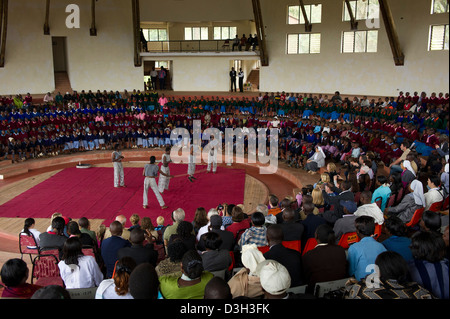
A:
x: 4, y: 30
x: 260, y: 32
x: 47, y: 17
x: 353, y: 22
x: 308, y: 25
x: 391, y: 30
x: 93, y: 29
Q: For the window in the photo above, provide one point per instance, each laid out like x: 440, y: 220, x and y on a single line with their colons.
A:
x: 362, y: 9
x: 155, y: 34
x: 196, y: 33
x: 359, y: 41
x: 159, y: 64
x: 439, y: 6
x: 313, y: 12
x: 303, y: 43
x: 438, y: 37
x: 224, y: 33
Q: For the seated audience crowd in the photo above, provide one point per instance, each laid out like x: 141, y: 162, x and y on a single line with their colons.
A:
x: 377, y: 216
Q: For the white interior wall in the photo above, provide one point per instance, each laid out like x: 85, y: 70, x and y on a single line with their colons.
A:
x: 106, y: 61
x: 103, y: 62
x: 354, y: 73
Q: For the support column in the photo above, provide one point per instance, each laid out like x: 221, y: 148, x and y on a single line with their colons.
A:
x: 135, y: 8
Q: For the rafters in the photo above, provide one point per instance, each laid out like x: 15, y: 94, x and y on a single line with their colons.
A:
x: 4, y: 30
x: 93, y: 29
x: 260, y: 32
x: 391, y: 30
x: 353, y: 22
x: 47, y: 16
x: 308, y: 25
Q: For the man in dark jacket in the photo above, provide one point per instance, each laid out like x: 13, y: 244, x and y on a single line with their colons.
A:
x: 289, y: 258
x: 137, y: 251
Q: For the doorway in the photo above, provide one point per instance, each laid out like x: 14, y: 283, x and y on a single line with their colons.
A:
x: 62, y: 83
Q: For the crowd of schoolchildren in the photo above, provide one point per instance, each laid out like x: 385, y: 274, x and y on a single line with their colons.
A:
x: 358, y: 134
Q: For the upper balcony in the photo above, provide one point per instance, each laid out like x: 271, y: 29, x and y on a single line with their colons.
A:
x: 197, y: 48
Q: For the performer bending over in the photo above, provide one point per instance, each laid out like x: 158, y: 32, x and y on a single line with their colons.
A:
x: 118, y: 167
x: 191, y: 164
x: 163, y: 182
x: 151, y: 172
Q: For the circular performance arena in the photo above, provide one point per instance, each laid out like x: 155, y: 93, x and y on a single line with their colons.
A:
x: 81, y: 185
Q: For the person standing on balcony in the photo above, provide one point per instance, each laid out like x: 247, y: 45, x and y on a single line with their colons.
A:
x: 162, y: 78
x: 243, y: 42
x: 236, y: 42
x: 153, y: 76
x: 241, y: 80
x: 233, y: 75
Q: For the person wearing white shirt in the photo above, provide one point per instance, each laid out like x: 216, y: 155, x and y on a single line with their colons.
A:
x: 435, y: 194
x: 29, y: 228
x: 212, y: 155
x: 369, y: 209
x: 205, y: 229
x: 76, y: 269
x: 241, y: 80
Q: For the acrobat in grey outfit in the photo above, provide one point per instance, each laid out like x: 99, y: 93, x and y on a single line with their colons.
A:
x: 116, y: 157
x: 151, y: 171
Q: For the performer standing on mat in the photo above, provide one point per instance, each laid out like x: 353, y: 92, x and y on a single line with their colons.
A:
x: 151, y: 172
x: 163, y: 182
x: 212, y: 155
x: 191, y: 164
x: 118, y: 167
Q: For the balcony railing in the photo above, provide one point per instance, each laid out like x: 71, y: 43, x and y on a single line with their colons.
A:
x: 193, y: 46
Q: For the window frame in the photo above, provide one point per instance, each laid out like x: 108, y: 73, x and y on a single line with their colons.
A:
x: 430, y: 37
x: 230, y: 36
x: 433, y: 7
x: 308, y: 13
x: 355, y: 10
x: 159, y: 35
x: 299, y: 35
x: 366, y: 44
x: 200, y: 31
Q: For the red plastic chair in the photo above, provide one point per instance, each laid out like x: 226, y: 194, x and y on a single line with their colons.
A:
x: 348, y: 239
x: 233, y: 261
x: 311, y: 243
x: 379, y: 201
x: 377, y: 232
x: 46, y: 271
x: 436, y: 207
x: 88, y: 251
x: 264, y: 249
x: 446, y: 203
x: 416, y: 217
x: 391, y: 201
x: 293, y: 244
x: 28, y: 245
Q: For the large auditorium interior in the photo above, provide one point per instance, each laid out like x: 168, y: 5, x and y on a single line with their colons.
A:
x: 224, y: 158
